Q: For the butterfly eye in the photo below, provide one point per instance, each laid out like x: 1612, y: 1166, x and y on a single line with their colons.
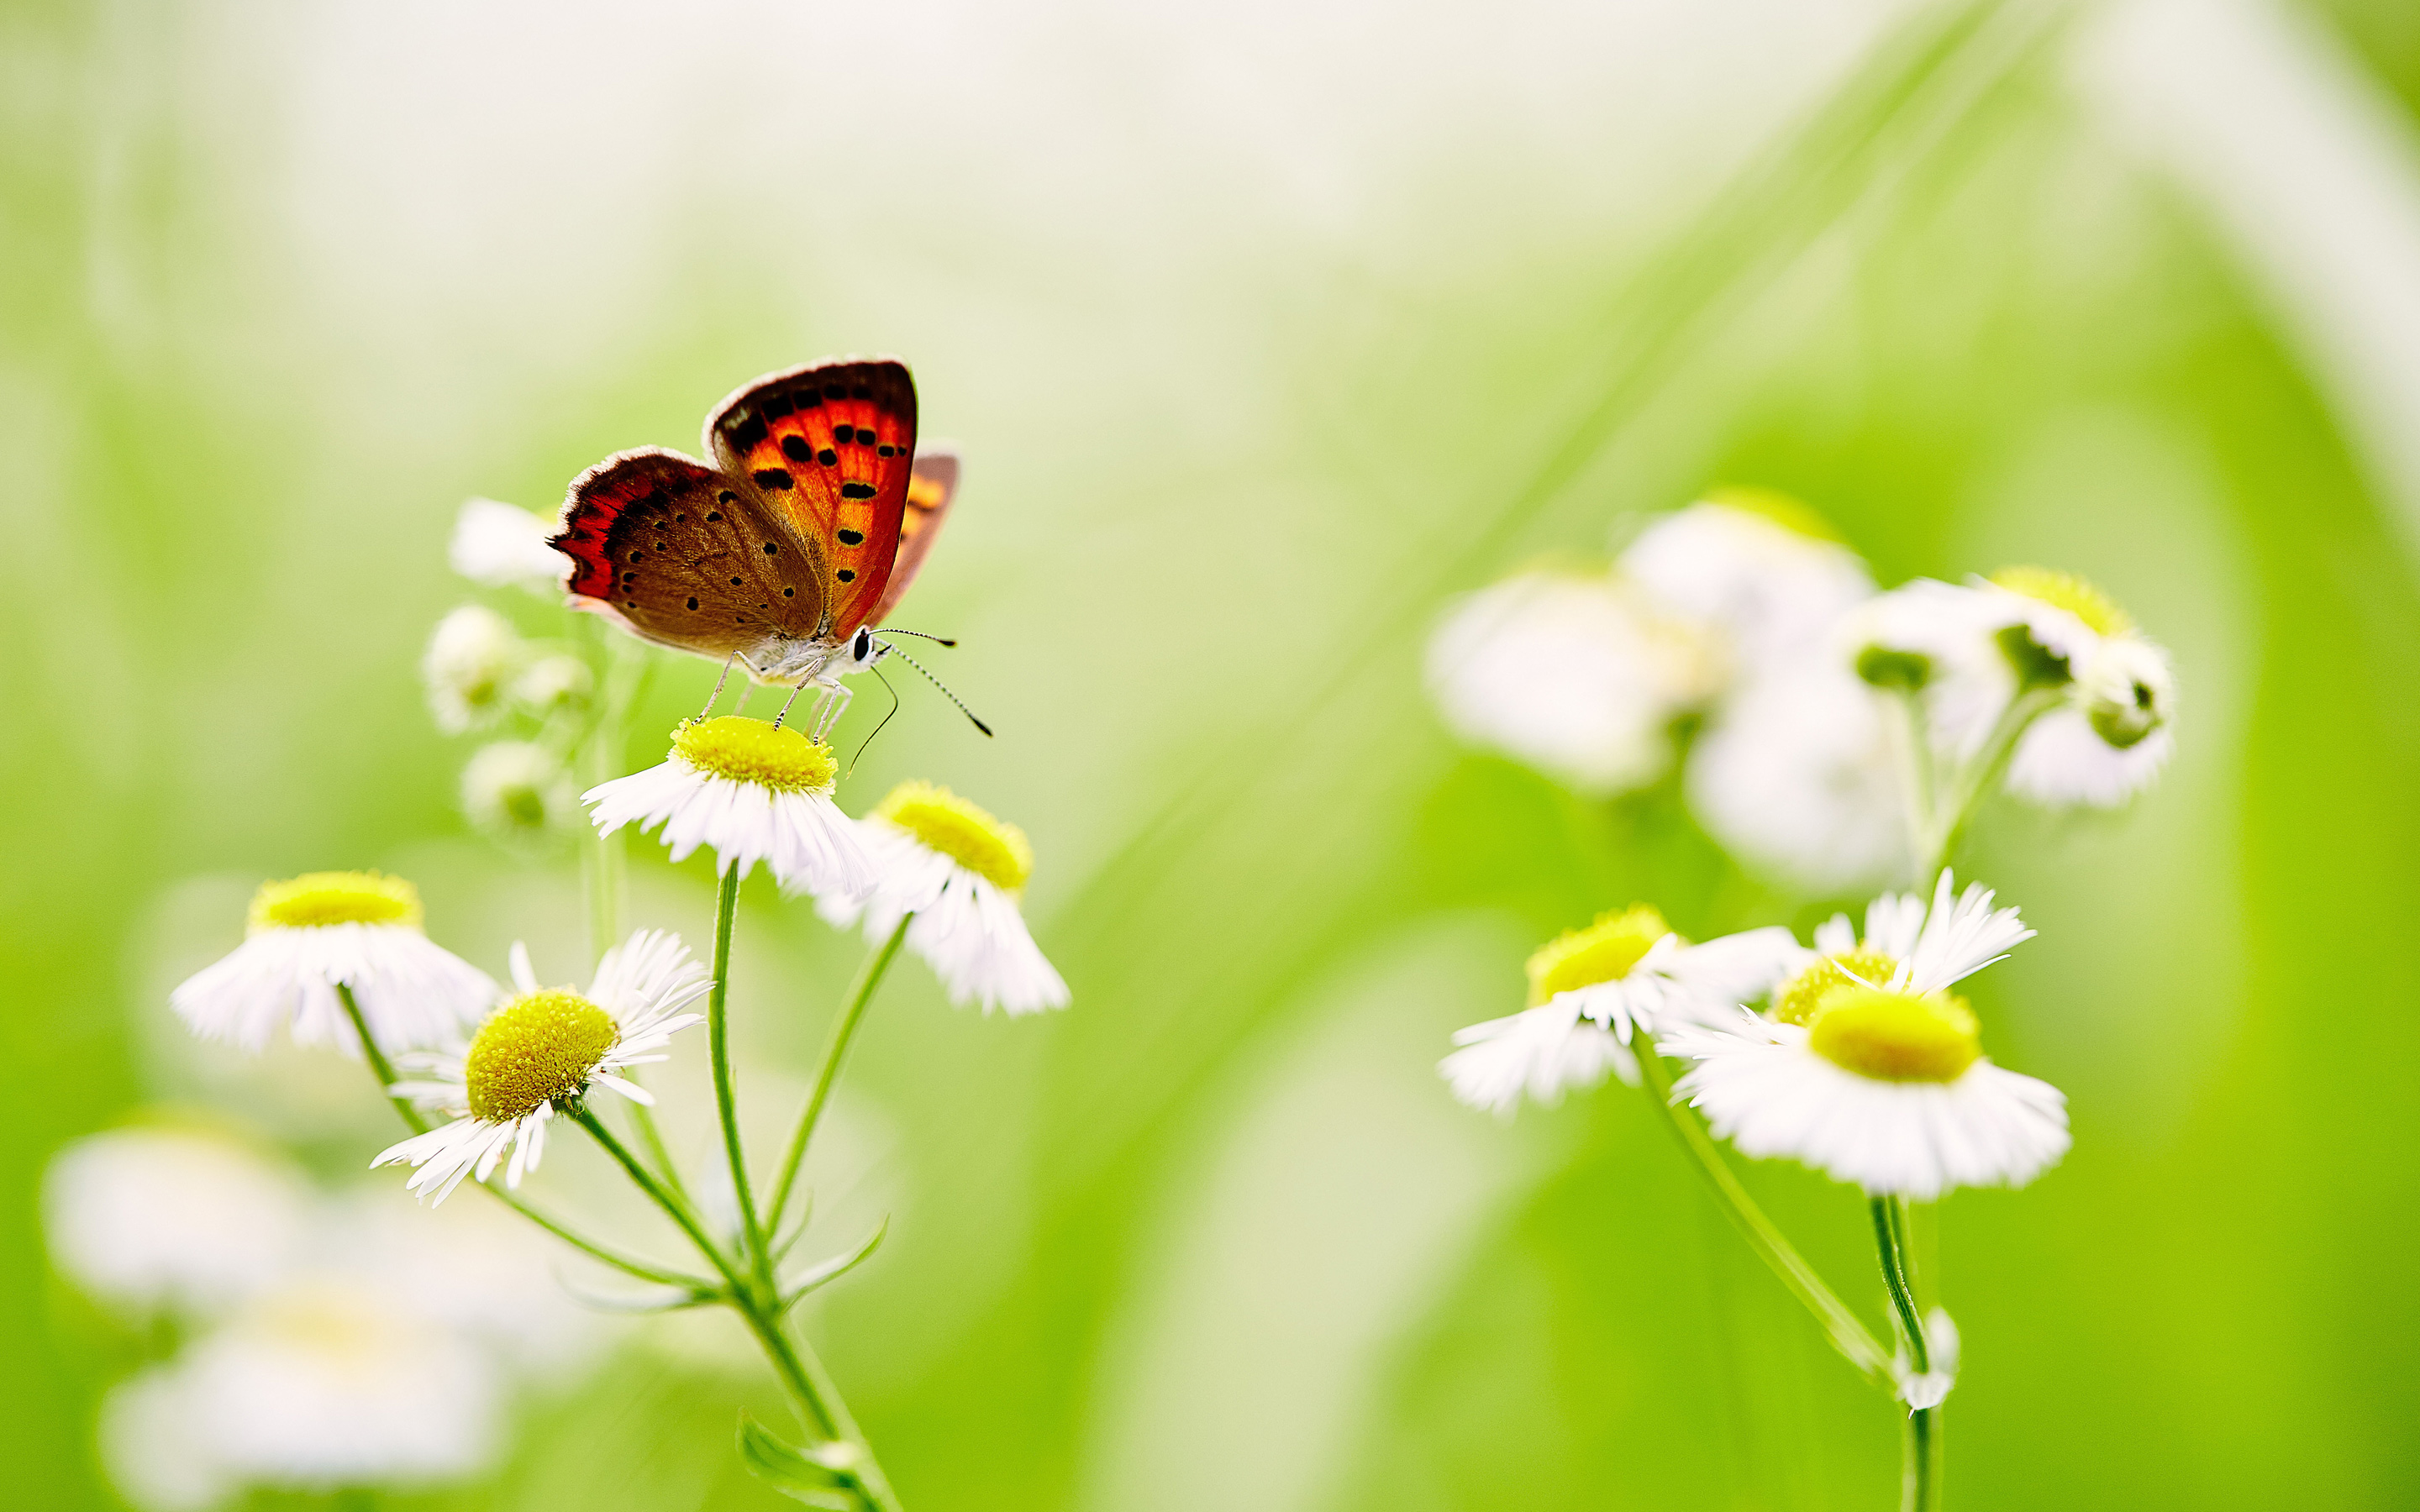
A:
x: 862, y: 643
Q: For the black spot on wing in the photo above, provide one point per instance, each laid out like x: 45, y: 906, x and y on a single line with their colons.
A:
x: 773, y: 478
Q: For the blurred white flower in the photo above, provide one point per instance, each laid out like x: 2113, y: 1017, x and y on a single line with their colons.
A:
x: 1798, y: 775
x: 1930, y: 1388
x: 518, y: 792
x: 1880, y: 1079
x: 472, y: 659
x: 150, y: 1218
x: 323, y: 1384
x: 475, y: 1268
x: 156, y: 1448
x: 2110, y: 738
x: 960, y: 870
x: 497, y: 545
x: 1758, y: 573
x: 543, y: 1047
x: 752, y: 792
x: 1567, y: 673
x: 309, y: 934
x: 557, y: 681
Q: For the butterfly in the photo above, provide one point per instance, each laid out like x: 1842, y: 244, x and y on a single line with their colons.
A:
x: 788, y: 548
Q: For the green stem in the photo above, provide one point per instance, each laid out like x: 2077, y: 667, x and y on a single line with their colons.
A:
x: 727, y: 1102
x: 380, y: 1066
x: 802, y: 1375
x: 1920, y: 1473
x: 1975, y: 782
x: 860, y: 995
x: 1847, y: 1333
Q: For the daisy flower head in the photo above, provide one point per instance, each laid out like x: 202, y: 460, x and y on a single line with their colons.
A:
x: 1590, y: 990
x: 473, y: 657
x: 1757, y: 570
x: 153, y: 1217
x: 497, y: 545
x: 753, y: 791
x: 542, y: 1049
x: 319, y: 1385
x: 1868, y: 1068
x: 313, y: 934
x: 960, y: 871
x: 1568, y: 672
x: 2111, y: 733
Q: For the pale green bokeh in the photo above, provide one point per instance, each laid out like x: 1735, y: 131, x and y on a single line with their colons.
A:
x: 1264, y: 330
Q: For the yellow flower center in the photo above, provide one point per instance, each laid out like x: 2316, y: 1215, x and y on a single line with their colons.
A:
x: 2065, y: 590
x: 535, y: 1050
x: 317, y: 898
x: 1604, y: 952
x: 1795, y: 1001
x: 990, y: 848
x: 1791, y: 515
x: 1895, y: 1037
x: 752, y: 750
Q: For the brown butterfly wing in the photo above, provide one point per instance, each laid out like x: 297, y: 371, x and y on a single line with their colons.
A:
x: 686, y: 556
x: 830, y: 447
x: 932, y: 487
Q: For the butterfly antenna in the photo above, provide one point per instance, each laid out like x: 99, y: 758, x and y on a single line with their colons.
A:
x: 938, y: 640
x: 944, y: 687
x: 878, y: 729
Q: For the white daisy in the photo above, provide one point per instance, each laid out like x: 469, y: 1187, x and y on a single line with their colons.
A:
x: 2111, y: 734
x: 1758, y: 571
x: 1869, y: 1069
x: 544, y: 1047
x: 307, y: 935
x: 472, y: 656
x: 1591, y: 989
x: 321, y: 1384
x: 518, y: 792
x: 1567, y: 673
x: 498, y: 546
x: 960, y: 870
x: 1935, y: 640
x: 1798, y: 776
x: 753, y: 792
x: 177, y: 1218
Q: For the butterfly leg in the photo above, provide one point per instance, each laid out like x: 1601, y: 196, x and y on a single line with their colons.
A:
x: 785, y: 708
x: 711, y: 698
x: 830, y: 708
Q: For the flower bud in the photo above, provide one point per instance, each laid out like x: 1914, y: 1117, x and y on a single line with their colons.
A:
x: 519, y: 793
x: 471, y: 660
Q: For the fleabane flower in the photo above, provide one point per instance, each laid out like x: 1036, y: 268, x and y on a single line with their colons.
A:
x: 753, y: 792
x: 1757, y: 570
x: 1797, y: 774
x: 2112, y: 733
x: 498, y: 546
x: 960, y: 870
x: 163, y: 1218
x: 518, y: 792
x: 1868, y: 1068
x: 472, y: 659
x: 1566, y: 672
x: 306, y: 937
x: 544, y: 1048
x: 1592, y: 990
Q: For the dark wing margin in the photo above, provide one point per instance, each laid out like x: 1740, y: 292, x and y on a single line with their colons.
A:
x: 830, y: 446
x: 932, y: 489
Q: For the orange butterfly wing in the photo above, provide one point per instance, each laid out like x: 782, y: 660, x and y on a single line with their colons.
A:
x: 931, y: 489
x: 830, y: 446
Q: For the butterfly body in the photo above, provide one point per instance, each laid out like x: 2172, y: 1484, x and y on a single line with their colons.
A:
x: 803, y: 531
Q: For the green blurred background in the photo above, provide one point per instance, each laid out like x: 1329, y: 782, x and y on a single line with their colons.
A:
x: 1265, y: 327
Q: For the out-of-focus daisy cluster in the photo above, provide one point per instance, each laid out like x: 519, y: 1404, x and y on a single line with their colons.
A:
x: 297, y: 1339
x: 537, y: 698
x: 1741, y: 637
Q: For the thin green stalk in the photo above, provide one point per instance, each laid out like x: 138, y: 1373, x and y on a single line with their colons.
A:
x: 384, y: 1071
x: 1920, y: 1473
x: 1848, y: 1333
x: 860, y: 995
x: 802, y: 1375
x: 380, y: 1066
x: 726, y: 1104
x: 1976, y: 781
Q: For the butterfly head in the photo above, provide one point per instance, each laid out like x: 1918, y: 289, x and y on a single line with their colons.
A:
x: 863, y: 652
